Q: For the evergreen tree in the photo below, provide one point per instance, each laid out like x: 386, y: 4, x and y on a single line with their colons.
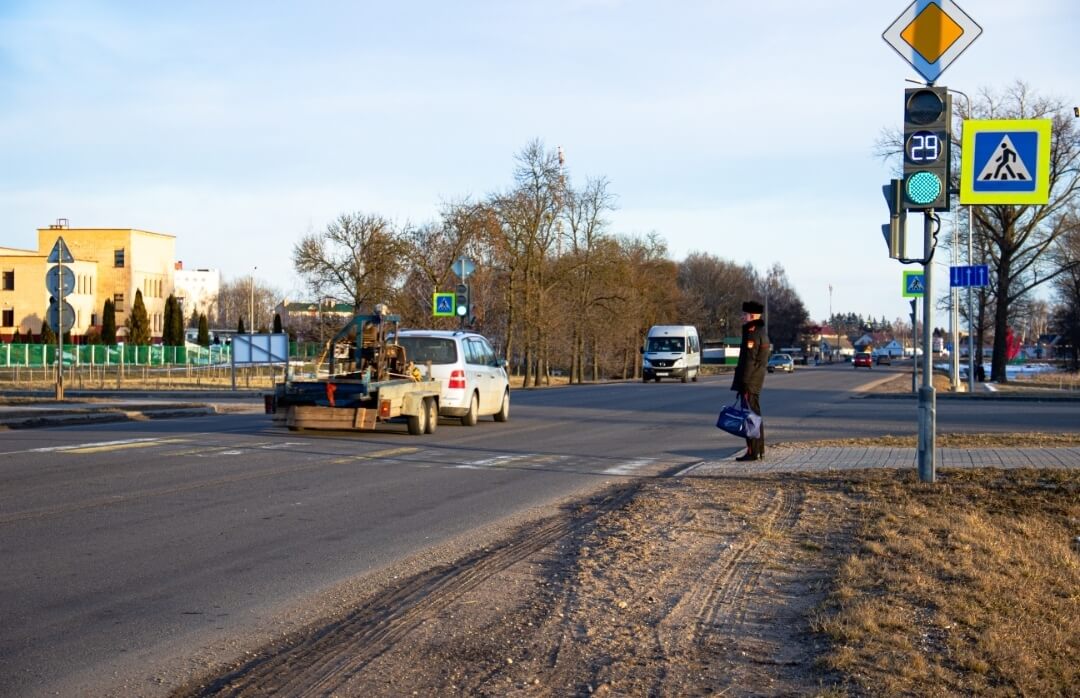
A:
x: 167, y: 337
x: 138, y: 324
x: 108, y: 323
x: 204, y: 331
x: 277, y: 323
x: 195, y: 315
x: 240, y: 326
x: 178, y: 325
x: 16, y: 338
x: 47, y: 335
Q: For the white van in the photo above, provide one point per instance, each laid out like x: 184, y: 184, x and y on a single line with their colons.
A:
x: 671, y: 351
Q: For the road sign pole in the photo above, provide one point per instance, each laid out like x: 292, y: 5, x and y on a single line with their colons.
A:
x: 927, y: 399
x: 60, y: 336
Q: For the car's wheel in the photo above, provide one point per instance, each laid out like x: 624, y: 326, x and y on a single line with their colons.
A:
x: 504, y: 410
x: 644, y: 379
x: 418, y: 423
x: 431, y: 407
x: 769, y: 369
x: 469, y: 418
x: 657, y: 379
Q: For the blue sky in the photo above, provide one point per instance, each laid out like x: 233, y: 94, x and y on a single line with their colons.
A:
x: 745, y: 130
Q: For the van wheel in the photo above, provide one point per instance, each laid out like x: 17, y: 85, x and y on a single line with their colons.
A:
x: 684, y: 378
x: 469, y: 418
x: 695, y: 377
x: 431, y: 408
x: 504, y: 411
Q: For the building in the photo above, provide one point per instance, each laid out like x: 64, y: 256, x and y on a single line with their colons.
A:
x: 109, y: 263
x: 197, y: 290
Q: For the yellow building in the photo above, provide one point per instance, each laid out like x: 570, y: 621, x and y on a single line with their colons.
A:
x: 110, y: 263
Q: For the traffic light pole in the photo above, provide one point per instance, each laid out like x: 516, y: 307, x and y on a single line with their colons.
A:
x: 927, y: 397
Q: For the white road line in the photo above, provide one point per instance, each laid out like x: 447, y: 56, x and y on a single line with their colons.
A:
x: 629, y: 467
x: 96, y: 444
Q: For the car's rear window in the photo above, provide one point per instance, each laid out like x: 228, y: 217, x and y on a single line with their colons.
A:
x: 437, y: 350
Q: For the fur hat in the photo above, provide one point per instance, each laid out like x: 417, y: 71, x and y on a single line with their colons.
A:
x: 753, y: 307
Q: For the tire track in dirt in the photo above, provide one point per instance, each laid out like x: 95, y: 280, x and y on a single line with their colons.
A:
x: 320, y: 662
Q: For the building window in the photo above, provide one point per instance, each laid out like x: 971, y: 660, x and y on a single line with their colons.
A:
x: 93, y: 319
x: 9, y: 280
x: 118, y: 302
x: 118, y: 257
x: 9, y: 317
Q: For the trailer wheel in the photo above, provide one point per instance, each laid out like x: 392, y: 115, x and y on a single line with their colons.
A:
x: 431, y: 407
x: 418, y: 423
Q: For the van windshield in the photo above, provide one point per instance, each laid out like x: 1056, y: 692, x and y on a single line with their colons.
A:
x: 668, y: 344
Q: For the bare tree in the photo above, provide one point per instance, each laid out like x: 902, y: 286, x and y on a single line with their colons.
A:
x: 357, y: 259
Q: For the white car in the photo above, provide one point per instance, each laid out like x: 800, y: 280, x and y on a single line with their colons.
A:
x: 474, y: 380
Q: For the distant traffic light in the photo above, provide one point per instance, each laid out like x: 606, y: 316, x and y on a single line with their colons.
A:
x: 461, y: 300
x: 927, y: 123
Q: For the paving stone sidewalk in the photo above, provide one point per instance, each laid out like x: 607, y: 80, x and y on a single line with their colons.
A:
x: 790, y: 459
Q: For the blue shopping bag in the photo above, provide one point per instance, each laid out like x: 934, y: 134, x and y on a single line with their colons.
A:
x: 738, y: 419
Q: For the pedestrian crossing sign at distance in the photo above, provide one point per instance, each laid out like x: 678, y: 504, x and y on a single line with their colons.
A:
x: 914, y: 284
x: 1005, y: 161
x: 442, y: 304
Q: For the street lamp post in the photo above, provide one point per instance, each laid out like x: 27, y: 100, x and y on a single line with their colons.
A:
x: 251, y: 302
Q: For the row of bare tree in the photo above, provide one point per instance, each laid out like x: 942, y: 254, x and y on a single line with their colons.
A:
x: 1025, y: 247
x: 551, y: 285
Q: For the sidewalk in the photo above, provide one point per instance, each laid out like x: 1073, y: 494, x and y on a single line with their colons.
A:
x: 794, y: 458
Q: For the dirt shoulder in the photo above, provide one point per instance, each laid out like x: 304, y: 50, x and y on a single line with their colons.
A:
x: 749, y: 585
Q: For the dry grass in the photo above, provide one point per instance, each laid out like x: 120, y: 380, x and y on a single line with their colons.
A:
x: 967, y: 587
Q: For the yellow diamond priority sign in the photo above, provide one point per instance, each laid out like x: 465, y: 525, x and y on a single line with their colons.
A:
x: 931, y: 34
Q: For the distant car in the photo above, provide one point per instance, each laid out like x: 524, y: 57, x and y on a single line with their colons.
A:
x: 863, y: 359
x: 781, y: 362
x: 883, y: 359
x: 474, y: 380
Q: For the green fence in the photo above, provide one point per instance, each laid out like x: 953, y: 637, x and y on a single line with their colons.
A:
x: 38, y: 355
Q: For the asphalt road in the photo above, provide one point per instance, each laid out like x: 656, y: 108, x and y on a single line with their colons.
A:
x: 134, y: 552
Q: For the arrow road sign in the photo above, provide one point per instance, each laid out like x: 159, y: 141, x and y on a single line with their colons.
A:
x: 964, y: 276
x: 64, y: 322
x: 53, y: 277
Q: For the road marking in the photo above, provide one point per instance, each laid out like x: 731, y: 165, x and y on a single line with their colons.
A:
x: 689, y: 468
x: 100, y: 446
x: 498, y: 461
x: 629, y: 466
x: 385, y: 453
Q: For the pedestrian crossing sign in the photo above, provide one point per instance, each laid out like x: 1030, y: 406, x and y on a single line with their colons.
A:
x: 1005, y: 161
x: 442, y: 304
x: 914, y: 284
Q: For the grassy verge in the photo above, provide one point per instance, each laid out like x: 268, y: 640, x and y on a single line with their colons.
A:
x: 967, y: 587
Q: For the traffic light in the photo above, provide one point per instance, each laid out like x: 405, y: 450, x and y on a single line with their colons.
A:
x: 927, y: 123
x: 461, y: 300
x: 896, y: 231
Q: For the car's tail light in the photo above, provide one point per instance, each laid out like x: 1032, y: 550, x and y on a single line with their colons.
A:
x: 457, y: 380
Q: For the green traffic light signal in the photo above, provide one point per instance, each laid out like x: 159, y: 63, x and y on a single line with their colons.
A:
x: 923, y: 188
x: 927, y: 154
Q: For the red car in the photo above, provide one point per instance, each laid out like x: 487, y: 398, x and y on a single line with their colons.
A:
x: 863, y: 359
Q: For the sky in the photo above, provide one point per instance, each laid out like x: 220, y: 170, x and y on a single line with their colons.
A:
x: 742, y: 130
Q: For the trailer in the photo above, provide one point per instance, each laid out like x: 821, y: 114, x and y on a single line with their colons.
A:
x: 373, y: 382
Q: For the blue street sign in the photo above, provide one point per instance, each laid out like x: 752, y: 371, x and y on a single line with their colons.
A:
x: 1005, y: 161
x: 442, y: 304
x: 963, y: 277
x: 914, y: 284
